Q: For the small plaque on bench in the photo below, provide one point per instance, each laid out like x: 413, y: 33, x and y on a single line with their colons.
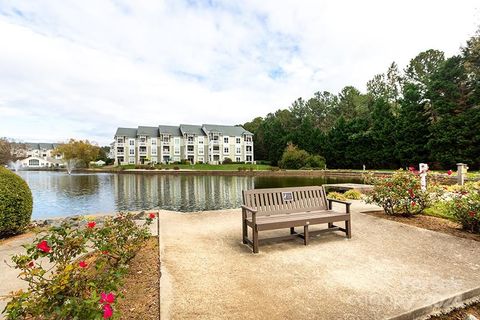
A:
x: 287, y: 196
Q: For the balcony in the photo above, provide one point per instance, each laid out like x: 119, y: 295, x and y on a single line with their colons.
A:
x: 120, y: 153
x: 215, y: 142
x: 142, y: 153
x: 248, y: 142
x: 120, y: 144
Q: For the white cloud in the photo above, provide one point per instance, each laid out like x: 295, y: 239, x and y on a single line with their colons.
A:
x: 80, y: 69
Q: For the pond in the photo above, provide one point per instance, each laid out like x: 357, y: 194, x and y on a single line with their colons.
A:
x: 60, y: 194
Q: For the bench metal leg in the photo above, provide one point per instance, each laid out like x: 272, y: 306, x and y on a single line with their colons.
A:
x: 292, y: 230
x: 348, y: 228
x: 255, y: 240
x: 330, y: 225
x: 305, y: 235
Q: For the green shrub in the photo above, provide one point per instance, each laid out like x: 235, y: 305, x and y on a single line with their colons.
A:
x: 400, y: 193
x: 15, y: 203
x: 315, y: 161
x: 465, y: 207
x: 176, y: 168
x: 353, y: 194
x: 336, y: 195
x: 293, y: 158
x: 227, y: 161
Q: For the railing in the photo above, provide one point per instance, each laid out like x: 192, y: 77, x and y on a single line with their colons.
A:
x: 120, y: 153
x: 120, y: 144
x: 142, y: 153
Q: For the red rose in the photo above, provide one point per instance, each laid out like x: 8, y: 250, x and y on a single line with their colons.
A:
x: 43, y: 246
x: 107, y: 298
x: 449, y: 172
x: 413, y: 203
x: 82, y: 264
x: 91, y: 224
x: 152, y: 215
x: 31, y: 264
x: 411, y: 169
x: 472, y: 213
x: 107, y: 311
x: 104, y: 252
x: 412, y: 195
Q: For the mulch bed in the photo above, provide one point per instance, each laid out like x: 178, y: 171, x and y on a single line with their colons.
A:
x: 430, y: 223
x: 444, y: 226
x: 141, y: 285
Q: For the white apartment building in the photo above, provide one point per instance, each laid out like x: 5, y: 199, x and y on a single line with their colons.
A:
x: 207, y: 143
x: 42, y: 150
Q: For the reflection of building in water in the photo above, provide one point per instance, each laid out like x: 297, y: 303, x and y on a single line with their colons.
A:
x: 180, y: 193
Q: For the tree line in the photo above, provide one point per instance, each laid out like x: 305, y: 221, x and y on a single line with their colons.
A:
x: 428, y: 112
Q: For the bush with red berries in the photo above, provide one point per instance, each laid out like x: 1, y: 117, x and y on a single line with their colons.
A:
x: 75, y: 273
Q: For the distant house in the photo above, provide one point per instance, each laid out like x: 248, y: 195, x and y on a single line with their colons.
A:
x: 39, y: 162
x: 99, y: 163
x: 42, y: 150
x: 207, y: 143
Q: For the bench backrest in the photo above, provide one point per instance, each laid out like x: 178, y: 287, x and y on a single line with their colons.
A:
x: 285, y: 200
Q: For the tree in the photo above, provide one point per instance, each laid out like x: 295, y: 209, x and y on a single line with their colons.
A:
x: 11, y: 151
x: 80, y: 150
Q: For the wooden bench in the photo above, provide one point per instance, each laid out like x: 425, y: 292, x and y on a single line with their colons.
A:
x: 269, y: 209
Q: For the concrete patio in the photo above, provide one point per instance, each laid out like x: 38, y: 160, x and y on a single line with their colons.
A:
x: 386, y: 270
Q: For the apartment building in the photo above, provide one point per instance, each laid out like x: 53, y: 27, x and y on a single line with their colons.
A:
x: 207, y: 143
x: 42, y: 150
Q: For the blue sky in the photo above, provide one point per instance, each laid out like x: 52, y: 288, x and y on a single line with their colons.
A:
x: 79, y: 69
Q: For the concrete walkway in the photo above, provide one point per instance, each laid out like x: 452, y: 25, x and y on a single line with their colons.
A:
x: 386, y: 270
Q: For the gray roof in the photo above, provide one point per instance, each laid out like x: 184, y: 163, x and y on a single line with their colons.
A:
x: 191, y: 129
x: 148, y: 131
x: 126, y: 132
x: 41, y: 145
x: 226, y: 130
x: 171, y: 130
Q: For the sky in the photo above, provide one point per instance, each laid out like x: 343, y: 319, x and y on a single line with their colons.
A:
x: 80, y: 69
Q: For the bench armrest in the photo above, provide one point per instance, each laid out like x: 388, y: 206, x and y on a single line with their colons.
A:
x: 249, y: 209
x: 346, y: 203
x: 253, y: 211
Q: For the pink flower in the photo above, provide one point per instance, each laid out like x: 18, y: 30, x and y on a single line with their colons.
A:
x: 472, y: 213
x: 31, y: 264
x: 107, y: 298
x: 82, y: 264
x: 449, y: 172
x: 152, y: 215
x: 411, y: 169
x: 91, y: 224
x: 412, y: 195
x: 43, y: 246
x: 413, y: 203
x: 104, y: 252
x: 107, y: 311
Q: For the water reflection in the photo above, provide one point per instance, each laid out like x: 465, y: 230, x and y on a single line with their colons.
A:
x: 57, y: 194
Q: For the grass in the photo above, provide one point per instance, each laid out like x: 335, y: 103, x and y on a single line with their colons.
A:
x: 440, y: 210
x: 207, y: 167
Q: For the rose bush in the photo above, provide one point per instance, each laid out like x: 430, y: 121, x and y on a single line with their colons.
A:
x: 73, y: 273
x: 465, y: 206
x: 400, y: 193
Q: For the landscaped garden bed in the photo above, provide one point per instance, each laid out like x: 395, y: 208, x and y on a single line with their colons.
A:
x: 78, y: 272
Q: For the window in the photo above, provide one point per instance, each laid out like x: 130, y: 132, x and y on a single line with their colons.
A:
x: 120, y: 150
x: 120, y: 140
x: 216, y: 148
x: 190, y: 148
x: 238, y: 140
x: 154, y: 142
x: 120, y: 159
x: 177, y: 150
x: 200, y: 159
x: 33, y: 162
x: 200, y: 150
x: 190, y: 139
x: 131, y: 160
x: 225, y: 140
x: 226, y: 150
x: 132, y: 152
x: 215, y: 138
x: 143, y: 139
x: 248, y: 138
x: 154, y: 150
x: 176, y: 141
x: 142, y: 149
x: 238, y: 159
x: 166, y: 139
x: 200, y: 140
x: 132, y: 142
x: 249, y: 158
x: 238, y: 150
x: 249, y: 148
